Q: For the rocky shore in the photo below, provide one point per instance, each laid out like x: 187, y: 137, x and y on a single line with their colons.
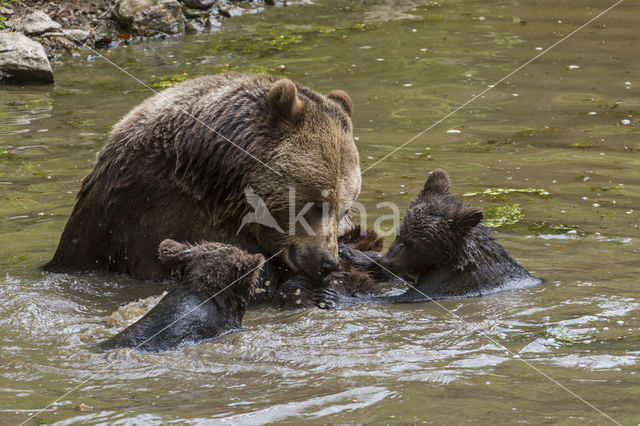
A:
x: 32, y: 32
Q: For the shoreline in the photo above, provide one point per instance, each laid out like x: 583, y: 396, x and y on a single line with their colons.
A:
x: 32, y: 34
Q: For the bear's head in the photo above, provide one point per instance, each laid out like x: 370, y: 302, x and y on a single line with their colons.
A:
x: 434, y: 231
x: 217, y: 269
x: 318, y: 176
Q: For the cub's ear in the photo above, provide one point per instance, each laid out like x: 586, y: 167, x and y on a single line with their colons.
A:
x: 342, y: 99
x: 284, y: 102
x: 172, y: 252
x: 438, y: 182
x: 469, y: 217
x: 256, y: 261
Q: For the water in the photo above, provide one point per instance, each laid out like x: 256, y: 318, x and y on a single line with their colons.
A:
x: 408, y: 66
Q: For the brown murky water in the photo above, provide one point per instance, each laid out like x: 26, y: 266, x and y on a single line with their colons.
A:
x: 568, y: 124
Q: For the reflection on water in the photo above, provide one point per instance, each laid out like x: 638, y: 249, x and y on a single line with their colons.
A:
x: 567, y: 124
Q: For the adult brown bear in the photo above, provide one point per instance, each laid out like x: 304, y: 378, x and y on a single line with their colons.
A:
x: 178, y: 166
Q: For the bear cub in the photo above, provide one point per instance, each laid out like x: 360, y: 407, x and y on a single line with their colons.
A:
x: 216, y: 282
x: 442, y: 244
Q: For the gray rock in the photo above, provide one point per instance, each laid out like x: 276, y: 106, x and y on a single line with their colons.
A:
x: 150, y: 17
x: 5, y: 11
x: 199, y: 4
x: 195, y: 13
x: 23, y: 60
x: 36, y: 23
x: 77, y: 35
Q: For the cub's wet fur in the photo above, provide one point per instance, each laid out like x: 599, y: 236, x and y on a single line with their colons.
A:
x: 442, y: 244
x: 216, y: 282
x: 356, y: 275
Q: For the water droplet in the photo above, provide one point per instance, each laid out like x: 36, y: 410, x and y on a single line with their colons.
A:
x: 453, y: 131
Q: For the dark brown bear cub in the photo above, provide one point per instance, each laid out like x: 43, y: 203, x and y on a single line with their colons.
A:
x: 216, y: 283
x: 442, y: 243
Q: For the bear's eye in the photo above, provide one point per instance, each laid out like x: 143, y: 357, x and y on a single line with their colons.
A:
x: 409, y: 244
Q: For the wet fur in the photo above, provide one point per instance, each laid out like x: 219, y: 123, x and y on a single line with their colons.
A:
x: 164, y: 174
x: 443, y: 244
x: 215, y: 284
x: 350, y: 280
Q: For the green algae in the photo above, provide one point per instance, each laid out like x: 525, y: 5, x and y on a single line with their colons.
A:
x: 581, y: 145
x: 8, y: 157
x: 252, y: 45
x: 167, y: 81
x: 509, y: 214
x: 606, y: 188
x: 322, y: 29
x: 558, y: 228
x: 494, y: 192
x: 75, y: 123
x: 30, y: 104
x: 529, y: 132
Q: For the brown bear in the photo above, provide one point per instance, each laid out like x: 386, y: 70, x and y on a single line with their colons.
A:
x: 178, y: 166
x: 442, y: 244
x: 215, y: 285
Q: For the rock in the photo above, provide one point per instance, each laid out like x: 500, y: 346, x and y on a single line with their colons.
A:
x: 23, y: 60
x: 5, y: 11
x: 55, y: 40
x: 77, y: 35
x: 150, y: 17
x: 36, y: 23
x: 199, y: 4
x: 195, y: 13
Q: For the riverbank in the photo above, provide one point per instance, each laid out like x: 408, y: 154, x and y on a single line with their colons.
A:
x: 63, y: 26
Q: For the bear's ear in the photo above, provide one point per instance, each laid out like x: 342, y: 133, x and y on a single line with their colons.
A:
x: 342, y: 99
x: 469, y: 217
x: 284, y: 101
x: 437, y: 183
x: 171, y: 252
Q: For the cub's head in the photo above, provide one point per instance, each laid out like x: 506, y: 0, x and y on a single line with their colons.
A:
x: 434, y: 230
x: 213, y: 268
x: 318, y: 181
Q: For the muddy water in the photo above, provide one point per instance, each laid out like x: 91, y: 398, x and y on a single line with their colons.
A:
x: 566, y: 124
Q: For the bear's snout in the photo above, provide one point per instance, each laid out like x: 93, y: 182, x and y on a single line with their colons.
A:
x: 312, y: 262
x: 328, y: 265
